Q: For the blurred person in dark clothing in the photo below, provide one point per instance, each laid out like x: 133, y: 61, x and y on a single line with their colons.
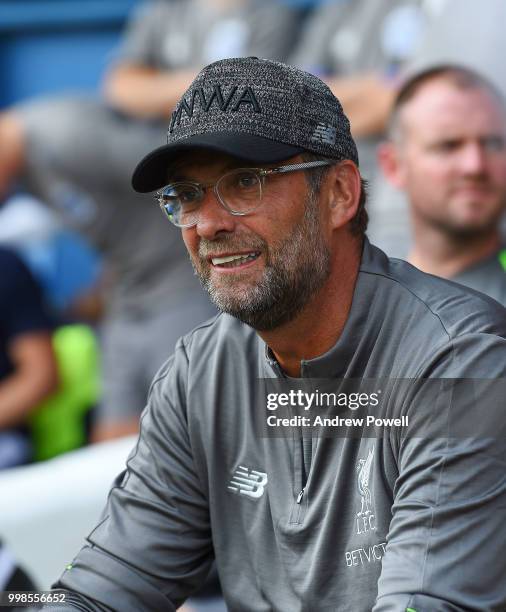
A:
x: 77, y: 155
x: 447, y: 152
x: 28, y: 370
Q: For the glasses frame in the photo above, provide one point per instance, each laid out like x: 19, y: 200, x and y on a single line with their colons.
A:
x: 262, y: 174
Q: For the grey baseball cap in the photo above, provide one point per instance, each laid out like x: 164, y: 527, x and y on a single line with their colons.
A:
x: 257, y: 110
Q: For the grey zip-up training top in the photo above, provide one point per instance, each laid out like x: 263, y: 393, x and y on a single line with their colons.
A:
x: 383, y: 523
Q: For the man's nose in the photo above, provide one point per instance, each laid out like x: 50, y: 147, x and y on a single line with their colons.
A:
x: 473, y: 159
x: 213, y: 217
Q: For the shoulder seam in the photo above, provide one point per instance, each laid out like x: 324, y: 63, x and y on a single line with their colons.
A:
x: 394, y: 280
x: 187, y: 339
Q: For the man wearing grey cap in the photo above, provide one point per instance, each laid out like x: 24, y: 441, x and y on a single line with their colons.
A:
x: 261, y: 174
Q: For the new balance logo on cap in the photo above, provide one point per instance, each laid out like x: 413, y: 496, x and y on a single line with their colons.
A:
x: 248, y: 482
x: 324, y: 133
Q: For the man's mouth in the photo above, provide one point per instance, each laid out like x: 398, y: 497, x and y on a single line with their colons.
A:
x: 234, y: 261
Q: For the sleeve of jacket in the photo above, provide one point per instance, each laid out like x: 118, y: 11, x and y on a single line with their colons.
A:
x: 152, y: 547
x: 445, y: 543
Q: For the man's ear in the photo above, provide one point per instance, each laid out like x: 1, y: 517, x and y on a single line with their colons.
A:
x: 344, y: 193
x: 390, y: 162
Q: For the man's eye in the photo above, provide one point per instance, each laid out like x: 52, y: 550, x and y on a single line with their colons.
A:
x: 186, y: 195
x: 446, y: 146
x: 246, y: 181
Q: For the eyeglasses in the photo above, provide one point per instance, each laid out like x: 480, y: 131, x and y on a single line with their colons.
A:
x: 239, y: 191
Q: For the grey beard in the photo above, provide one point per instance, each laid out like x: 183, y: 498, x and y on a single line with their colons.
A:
x: 293, y: 274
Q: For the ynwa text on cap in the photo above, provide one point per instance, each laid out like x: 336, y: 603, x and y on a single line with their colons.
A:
x: 217, y: 99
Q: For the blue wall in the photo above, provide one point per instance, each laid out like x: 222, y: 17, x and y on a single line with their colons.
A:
x: 55, y: 45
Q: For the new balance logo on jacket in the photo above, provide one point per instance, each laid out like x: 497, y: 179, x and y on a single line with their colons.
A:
x: 248, y: 482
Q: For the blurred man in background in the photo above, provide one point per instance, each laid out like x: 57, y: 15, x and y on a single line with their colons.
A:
x: 466, y: 33
x: 168, y: 42
x: 447, y: 152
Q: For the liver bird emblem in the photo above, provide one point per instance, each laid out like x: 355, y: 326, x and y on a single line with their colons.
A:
x: 363, y: 475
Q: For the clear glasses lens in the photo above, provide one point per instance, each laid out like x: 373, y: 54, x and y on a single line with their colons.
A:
x: 180, y: 202
x: 240, y: 190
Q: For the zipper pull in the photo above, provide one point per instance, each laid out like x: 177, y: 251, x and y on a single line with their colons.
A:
x: 300, y: 496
